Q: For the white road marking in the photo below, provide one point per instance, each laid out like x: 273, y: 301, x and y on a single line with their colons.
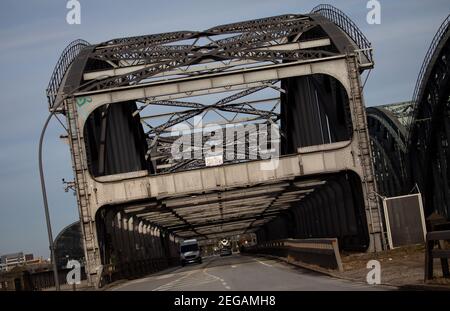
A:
x: 190, y: 279
x: 217, y: 278
x: 263, y: 263
x: 172, y: 283
x: 164, y: 276
x: 143, y: 280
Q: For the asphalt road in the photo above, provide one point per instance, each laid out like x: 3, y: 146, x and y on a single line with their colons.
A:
x: 240, y: 273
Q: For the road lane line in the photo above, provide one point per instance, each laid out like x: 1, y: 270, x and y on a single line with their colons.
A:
x: 224, y: 284
x: 173, y: 283
x: 195, y: 280
x: 164, y: 276
x: 263, y: 263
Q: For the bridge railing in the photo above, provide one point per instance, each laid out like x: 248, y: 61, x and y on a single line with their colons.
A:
x: 437, y: 238
x: 348, y: 26
x: 321, y: 252
x: 64, y: 61
x: 28, y: 280
x: 418, y: 89
x: 135, y: 268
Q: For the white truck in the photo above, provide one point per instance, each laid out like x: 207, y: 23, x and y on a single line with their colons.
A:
x: 190, y: 252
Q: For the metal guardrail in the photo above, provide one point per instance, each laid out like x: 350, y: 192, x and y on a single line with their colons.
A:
x: 348, y: 26
x: 64, y: 61
x: 437, y: 238
x: 321, y: 252
x: 419, y: 87
x: 45, y: 279
x: 25, y: 280
x: 113, y: 272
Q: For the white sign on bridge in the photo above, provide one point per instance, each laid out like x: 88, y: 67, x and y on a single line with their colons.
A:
x: 214, y: 160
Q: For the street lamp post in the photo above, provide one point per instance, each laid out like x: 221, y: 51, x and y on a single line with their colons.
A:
x: 44, y: 197
x: 41, y: 175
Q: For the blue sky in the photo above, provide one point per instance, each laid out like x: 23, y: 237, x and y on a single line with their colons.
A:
x: 33, y: 34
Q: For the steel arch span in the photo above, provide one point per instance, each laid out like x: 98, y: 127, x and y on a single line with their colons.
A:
x: 430, y: 127
x: 125, y: 98
x: 388, y: 135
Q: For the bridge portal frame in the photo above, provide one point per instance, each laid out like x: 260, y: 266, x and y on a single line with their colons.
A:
x: 353, y: 155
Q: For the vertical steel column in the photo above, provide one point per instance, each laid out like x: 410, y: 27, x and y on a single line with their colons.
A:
x: 361, y: 134
x: 87, y: 221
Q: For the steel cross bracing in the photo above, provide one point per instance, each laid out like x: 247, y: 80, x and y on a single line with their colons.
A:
x: 244, y: 29
x: 198, y: 108
x: 161, y: 139
x: 260, y: 40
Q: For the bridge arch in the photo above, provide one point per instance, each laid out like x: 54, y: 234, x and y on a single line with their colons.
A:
x: 389, y: 147
x: 430, y: 127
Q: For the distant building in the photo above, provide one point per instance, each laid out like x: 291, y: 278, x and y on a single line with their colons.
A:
x: 10, y: 261
x: 13, y: 258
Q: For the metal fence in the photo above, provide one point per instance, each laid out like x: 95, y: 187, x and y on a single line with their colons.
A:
x: 322, y: 252
x: 348, y: 26
x: 64, y: 61
x: 26, y: 280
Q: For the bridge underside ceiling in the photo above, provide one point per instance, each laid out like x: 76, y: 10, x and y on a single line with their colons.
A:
x: 224, y: 213
x: 330, y: 201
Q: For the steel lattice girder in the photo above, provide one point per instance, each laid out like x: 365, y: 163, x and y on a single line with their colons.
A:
x: 430, y: 127
x: 388, y: 137
x: 246, y: 46
x: 259, y: 40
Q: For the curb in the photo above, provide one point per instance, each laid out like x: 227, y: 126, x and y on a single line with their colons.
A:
x: 424, y: 287
x: 406, y: 287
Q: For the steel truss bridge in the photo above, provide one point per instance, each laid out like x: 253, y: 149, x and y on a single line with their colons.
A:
x: 411, y: 140
x: 124, y: 99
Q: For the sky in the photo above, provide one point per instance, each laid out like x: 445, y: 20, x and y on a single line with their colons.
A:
x: 33, y: 34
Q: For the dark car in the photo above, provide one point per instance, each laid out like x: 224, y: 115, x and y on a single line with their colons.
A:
x: 225, y: 251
